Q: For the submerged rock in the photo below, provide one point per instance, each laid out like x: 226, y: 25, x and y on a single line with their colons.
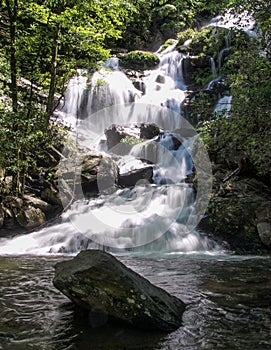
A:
x: 98, y: 282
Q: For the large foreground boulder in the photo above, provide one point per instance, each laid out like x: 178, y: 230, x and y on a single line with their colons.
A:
x: 97, y: 281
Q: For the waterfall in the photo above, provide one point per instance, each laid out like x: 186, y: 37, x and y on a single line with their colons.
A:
x: 223, y: 105
x: 70, y: 107
x: 243, y: 21
x: 213, y: 67
x: 157, y: 216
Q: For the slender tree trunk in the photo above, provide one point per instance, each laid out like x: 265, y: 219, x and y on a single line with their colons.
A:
x: 12, y: 8
x: 12, y: 11
x: 50, y: 101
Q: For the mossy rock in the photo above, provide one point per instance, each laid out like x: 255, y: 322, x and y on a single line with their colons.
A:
x: 197, y: 71
x: 139, y: 60
x: 211, y: 40
x: 167, y: 43
x: 185, y: 35
x: 106, y: 288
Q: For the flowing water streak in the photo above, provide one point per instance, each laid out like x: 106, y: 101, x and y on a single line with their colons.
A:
x: 213, y: 67
x: 223, y: 105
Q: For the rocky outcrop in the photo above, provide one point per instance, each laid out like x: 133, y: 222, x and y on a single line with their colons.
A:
x: 98, y: 282
x: 38, y: 203
x: 45, y: 199
x: 87, y: 177
x: 240, y: 212
x: 148, y: 131
x: 26, y: 213
x: 30, y: 217
x: 51, y: 195
x: 129, y: 136
x: 114, y: 136
x: 131, y: 178
x: 194, y: 66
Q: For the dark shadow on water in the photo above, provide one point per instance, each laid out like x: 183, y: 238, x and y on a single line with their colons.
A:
x: 112, y: 335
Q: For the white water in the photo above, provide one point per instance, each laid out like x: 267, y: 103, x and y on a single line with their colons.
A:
x: 223, y: 105
x: 151, y: 217
x: 213, y: 67
x: 244, y: 22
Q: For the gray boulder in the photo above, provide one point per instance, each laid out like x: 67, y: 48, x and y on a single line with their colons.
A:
x: 131, y: 178
x: 30, y: 217
x: 98, y: 282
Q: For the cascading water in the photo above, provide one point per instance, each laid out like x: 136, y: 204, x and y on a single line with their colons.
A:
x: 150, y: 217
x: 244, y: 21
x: 223, y: 105
x: 213, y: 67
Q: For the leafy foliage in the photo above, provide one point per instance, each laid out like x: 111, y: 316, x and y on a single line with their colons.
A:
x: 42, y: 45
x: 165, y: 18
x: 245, y: 136
x: 261, y: 12
x: 131, y: 141
x: 139, y: 60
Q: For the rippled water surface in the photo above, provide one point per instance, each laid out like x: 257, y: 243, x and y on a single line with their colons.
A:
x: 228, y: 297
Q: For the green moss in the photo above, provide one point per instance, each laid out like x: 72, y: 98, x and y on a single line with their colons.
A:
x: 131, y: 141
x: 139, y: 60
x: 168, y: 43
x: 185, y: 35
x: 202, y: 76
x: 211, y: 40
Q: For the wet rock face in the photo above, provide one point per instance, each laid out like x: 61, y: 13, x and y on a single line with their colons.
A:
x: 98, y: 174
x: 118, y: 133
x: 133, y: 177
x: 98, y: 282
x: 263, y: 220
x: 240, y: 211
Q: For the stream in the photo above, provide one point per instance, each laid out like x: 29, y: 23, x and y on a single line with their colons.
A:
x: 227, y: 296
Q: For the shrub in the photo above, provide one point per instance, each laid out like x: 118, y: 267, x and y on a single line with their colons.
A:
x: 139, y: 60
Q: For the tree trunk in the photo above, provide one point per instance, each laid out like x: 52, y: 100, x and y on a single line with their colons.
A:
x: 12, y: 11
x: 50, y: 101
x: 12, y: 8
